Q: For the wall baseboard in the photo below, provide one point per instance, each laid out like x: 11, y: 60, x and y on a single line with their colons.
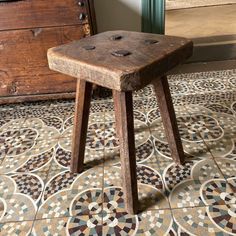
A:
x: 214, y: 48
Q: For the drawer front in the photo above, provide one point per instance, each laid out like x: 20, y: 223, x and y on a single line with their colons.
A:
x: 24, y: 14
x: 23, y: 61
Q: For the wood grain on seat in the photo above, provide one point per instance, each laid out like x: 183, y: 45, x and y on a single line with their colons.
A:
x: 120, y: 60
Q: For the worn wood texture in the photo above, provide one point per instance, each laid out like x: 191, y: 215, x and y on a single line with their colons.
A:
x: 27, y: 29
x: 41, y: 13
x: 123, y: 61
x: 125, y: 130
x: 167, y: 111
x: 82, y: 105
x: 145, y: 62
x: 23, y: 61
x: 38, y: 97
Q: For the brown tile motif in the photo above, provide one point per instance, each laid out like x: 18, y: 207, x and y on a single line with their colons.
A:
x: 40, y: 196
x: 37, y: 162
x: 29, y: 184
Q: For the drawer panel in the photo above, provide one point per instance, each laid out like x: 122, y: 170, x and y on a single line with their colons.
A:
x: 42, y: 13
x: 23, y: 61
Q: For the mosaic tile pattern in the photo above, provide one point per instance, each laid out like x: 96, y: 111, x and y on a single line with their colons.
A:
x: 40, y: 196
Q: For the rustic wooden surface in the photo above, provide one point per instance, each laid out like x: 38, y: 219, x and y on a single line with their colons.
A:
x: 169, y: 119
x: 82, y: 105
x: 145, y: 62
x: 123, y: 105
x: 27, y: 29
x: 123, y: 61
x: 38, y: 97
x: 40, y: 13
x: 23, y: 61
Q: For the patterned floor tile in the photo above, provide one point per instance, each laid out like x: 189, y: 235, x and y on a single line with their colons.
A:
x: 156, y: 222
x: 93, y: 157
x: 11, y: 134
x: 183, y: 184
x: 227, y: 167
x: 11, y: 113
x: 85, y: 225
x: 143, y: 142
x: 108, y: 224
x: 150, y: 188
x: 2, y: 157
x: 192, y: 193
x: 220, y: 129
x: 232, y: 183
x: 17, y: 206
x: 35, y: 154
x: 199, y: 221
x: 192, y: 142
x: 60, y: 111
x: 16, y: 228
x: 90, y: 225
x: 35, y: 158
x: 66, y: 194
x: 56, y: 226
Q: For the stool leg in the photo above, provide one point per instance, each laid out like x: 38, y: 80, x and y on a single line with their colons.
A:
x: 82, y: 105
x: 123, y: 104
x: 167, y: 111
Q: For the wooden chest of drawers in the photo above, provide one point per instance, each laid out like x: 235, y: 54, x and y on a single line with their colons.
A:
x: 27, y: 29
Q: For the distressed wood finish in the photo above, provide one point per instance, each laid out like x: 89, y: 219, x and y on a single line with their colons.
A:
x: 23, y: 61
x: 40, y: 13
x: 39, y: 97
x: 145, y: 63
x: 167, y: 111
x: 124, y: 61
x: 27, y: 29
x: 82, y: 105
x: 123, y: 105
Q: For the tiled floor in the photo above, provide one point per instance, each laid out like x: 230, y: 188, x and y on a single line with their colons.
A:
x: 39, y: 196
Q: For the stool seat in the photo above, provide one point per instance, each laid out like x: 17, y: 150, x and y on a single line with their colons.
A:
x: 120, y: 60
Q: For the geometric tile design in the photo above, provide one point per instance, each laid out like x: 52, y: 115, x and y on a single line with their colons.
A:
x: 40, y: 196
x: 224, y: 217
x: 16, y: 228
x: 146, y: 175
x: 195, y: 221
x: 16, y: 142
x: 175, y: 174
x: 186, y: 194
x: 59, y: 182
x: 194, y: 128
x: 36, y: 162
x: 29, y: 184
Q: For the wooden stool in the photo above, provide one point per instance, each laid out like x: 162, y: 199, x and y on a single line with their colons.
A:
x: 122, y: 61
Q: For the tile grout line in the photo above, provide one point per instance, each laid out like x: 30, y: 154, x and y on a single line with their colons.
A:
x: 40, y: 202
x: 213, y: 158
x: 103, y: 186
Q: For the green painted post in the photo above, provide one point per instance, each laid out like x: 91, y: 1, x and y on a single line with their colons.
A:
x: 153, y: 16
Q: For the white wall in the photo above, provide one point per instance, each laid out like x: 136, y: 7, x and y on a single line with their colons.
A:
x: 118, y: 15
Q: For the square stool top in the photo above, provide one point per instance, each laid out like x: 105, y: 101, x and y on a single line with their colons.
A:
x: 120, y: 60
